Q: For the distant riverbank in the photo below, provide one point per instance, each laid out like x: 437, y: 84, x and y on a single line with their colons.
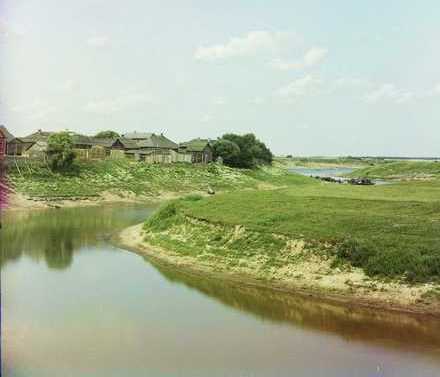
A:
x: 106, y: 182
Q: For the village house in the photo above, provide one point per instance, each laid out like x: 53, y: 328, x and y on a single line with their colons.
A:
x: 200, y: 150
x: 2, y: 142
x: 14, y: 146
x: 140, y: 146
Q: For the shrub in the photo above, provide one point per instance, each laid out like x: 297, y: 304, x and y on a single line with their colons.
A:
x: 60, y: 151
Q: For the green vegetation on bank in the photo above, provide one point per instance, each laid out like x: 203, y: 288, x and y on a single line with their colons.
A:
x: 400, y: 169
x: 123, y: 177
x: 389, y: 231
x: 342, y: 161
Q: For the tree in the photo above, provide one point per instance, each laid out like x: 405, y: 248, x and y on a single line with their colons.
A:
x: 60, y: 151
x: 109, y: 134
x: 252, y: 152
x: 227, y: 150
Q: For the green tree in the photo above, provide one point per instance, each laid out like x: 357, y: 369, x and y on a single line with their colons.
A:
x: 227, y: 150
x: 60, y: 151
x: 252, y: 152
x: 109, y: 134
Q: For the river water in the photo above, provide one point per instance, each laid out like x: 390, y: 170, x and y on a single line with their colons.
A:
x: 74, y: 305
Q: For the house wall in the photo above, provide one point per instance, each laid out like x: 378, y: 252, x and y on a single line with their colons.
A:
x: 2, y: 145
x: 181, y: 157
x: 14, y: 148
x: 36, y: 151
x: 94, y: 153
x: 202, y: 157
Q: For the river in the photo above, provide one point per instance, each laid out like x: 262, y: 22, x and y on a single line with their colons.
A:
x: 75, y: 305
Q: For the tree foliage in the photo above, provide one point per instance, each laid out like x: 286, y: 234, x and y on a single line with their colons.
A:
x: 60, y: 151
x: 242, y: 151
x: 227, y: 150
x: 109, y: 134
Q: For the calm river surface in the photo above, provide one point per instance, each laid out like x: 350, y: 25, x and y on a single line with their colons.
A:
x: 74, y: 305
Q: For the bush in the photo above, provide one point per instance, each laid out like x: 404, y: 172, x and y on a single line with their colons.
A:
x: 414, y: 265
x: 357, y: 253
x: 60, y: 151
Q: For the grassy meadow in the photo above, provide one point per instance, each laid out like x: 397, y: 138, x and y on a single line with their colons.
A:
x: 390, y: 231
x: 400, y: 169
x: 124, y: 177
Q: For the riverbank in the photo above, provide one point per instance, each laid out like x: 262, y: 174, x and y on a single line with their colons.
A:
x: 377, y: 244
x: 106, y: 182
x: 315, y: 279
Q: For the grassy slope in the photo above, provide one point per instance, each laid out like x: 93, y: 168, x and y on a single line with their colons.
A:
x: 391, y: 231
x: 400, y: 169
x: 149, y: 180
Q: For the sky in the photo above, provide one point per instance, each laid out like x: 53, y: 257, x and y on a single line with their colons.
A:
x: 307, y: 77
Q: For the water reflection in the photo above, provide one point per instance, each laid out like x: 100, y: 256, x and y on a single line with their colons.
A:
x: 357, y: 324
x: 55, y: 235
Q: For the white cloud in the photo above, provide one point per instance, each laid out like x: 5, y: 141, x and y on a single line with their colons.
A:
x: 119, y: 103
x: 437, y: 89
x: 389, y: 92
x: 315, y: 56
x: 98, y: 41
x: 307, y: 85
x: 250, y: 44
x: 312, y: 57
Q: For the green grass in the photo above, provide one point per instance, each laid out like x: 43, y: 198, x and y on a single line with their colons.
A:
x: 389, y: 231
x: 400, y: 169
x: 91, y: 179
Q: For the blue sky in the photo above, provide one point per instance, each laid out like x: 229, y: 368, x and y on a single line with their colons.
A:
x: 308, y: 77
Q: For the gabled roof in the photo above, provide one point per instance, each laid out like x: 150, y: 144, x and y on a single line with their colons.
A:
x: 195, y: 145
x: 127, y: 143
x: 137, y: 135
x: 7, y: 134
x: 149, y: 140
x: 37, y: 136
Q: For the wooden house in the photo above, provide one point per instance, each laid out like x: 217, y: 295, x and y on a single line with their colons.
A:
x: 201, y: 150
x: 151, y: 141
x: 13, y: 146
x: 2, y: 143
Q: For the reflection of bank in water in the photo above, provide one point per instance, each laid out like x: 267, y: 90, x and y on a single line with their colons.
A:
x: 397, y: 330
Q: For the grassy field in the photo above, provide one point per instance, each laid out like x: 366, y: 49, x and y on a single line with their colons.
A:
x: 389, y: 231
x: 149, y: 180
x: 400, y: 169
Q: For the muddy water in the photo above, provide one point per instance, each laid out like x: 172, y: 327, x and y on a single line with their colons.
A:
x: 74, y: 305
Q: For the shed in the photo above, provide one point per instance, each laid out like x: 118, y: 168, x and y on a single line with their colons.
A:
x: 200, y: 149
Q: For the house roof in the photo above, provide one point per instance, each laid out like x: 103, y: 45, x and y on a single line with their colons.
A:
x: 137, y: 135
x: 127, y: 143
x: 7, y: 134
x: 195, y: 145
x: 149, y: 140
x: 37, y: 136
